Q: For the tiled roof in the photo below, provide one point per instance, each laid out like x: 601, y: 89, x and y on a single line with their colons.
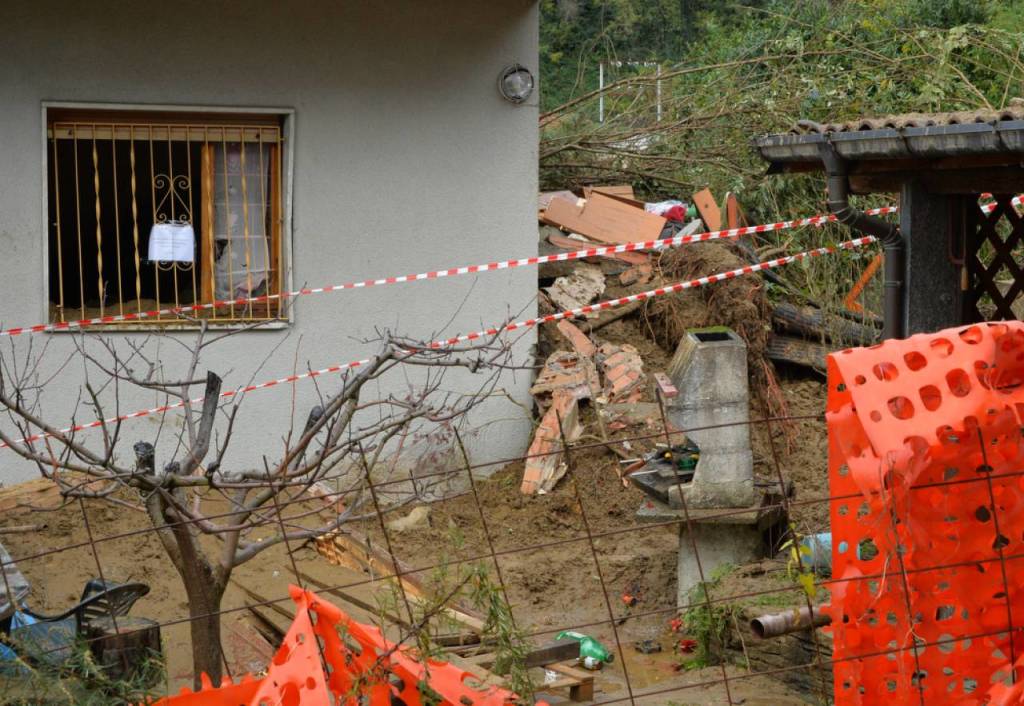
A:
x: 1015, y: 111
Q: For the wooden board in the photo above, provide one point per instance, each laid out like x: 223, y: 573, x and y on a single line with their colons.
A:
x: 798, y: 351
x: 734, y: 216
x: 623, y: 192
x: 350, y: 550
x: 566, y: 243
x: 708, y: 209
x: 604, y: 219
x: 545, y: 198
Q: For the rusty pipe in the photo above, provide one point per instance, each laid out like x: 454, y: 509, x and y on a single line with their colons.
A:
x: 795, y: 620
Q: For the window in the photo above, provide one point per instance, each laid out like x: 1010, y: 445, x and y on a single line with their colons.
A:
x: 151, y: 211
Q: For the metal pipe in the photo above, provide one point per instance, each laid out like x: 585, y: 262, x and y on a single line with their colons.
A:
x: 795, y: 620
x: 887, y: 233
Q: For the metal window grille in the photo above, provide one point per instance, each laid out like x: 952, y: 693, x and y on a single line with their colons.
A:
x: 214, y: 179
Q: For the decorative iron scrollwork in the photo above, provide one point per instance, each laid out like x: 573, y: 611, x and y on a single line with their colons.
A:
x: 172, y: 198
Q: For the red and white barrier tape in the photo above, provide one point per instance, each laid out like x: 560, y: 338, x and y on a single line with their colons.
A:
x: 452, y: 272
x: 990, y: 207
x: 600, y: 306
x: 437, y: 274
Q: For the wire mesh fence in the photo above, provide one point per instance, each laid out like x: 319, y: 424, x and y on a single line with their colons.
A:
x: 416, y: 625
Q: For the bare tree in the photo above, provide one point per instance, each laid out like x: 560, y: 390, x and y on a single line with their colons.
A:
x: 344, y: 441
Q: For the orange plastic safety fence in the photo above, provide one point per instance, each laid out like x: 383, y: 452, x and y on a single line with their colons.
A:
x: 362, y: 667
x: 929, y: 556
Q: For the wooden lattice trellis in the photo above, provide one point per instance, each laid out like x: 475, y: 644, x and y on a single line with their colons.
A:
x: 994, y: 246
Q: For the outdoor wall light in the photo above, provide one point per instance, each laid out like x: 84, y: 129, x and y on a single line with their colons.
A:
x: 515, y: 83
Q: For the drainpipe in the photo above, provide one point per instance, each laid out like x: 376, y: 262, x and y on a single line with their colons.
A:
x: 888, y: 234
x: 795, y: 620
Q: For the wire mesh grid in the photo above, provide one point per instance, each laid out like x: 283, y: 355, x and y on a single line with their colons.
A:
x: 287, y: 512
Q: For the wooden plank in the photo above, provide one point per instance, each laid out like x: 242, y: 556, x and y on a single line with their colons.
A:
x: 734, y: 216
x: 275, y: 283
x: 484, y: 676
x: 624, y: 191
x: 348, y: 549
x: 550, y: 653
x: 469, y: 638
x: 206, y: 235
x: 961, y: 181
x: 271, y: 614
x: 584, y: 690
x: 708, y: 209
x: 349, y: 597
x: 798, y: 351
x: 605, y: 219
x: 817, y: 324
x: 546, y: 197
x: 566, y: 243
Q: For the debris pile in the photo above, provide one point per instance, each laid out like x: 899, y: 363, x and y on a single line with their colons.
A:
x: 607, y: 375
x: 598, y: 376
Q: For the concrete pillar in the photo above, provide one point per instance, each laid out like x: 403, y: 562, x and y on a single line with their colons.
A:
x: 719, y: 543
x: 709, y: 369
x: 932, y: 228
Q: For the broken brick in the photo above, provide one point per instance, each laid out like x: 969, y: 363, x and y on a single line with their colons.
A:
x: 544, y: 464
x: 577, y: 339
x: 566, y: 371
x: 638, y: 274
x: 624, y: 376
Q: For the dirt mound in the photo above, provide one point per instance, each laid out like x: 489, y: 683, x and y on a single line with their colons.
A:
x: 739, y: 304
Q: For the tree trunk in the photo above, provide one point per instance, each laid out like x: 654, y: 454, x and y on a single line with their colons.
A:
x: 204, y: 624
x: 204, y: 587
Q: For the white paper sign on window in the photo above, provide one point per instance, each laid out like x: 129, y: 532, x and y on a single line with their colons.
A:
x: 172, y: 242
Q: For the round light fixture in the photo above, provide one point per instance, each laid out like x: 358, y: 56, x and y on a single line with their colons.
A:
x: 515, y: 83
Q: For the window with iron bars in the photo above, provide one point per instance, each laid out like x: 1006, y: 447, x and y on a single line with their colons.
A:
x: 152, y: 211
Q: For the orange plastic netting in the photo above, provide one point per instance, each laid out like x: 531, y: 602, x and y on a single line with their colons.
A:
x: 926, y: 468
x: 362, y: 667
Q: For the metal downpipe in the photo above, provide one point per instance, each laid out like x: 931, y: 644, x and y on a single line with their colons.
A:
x: 888, y: 234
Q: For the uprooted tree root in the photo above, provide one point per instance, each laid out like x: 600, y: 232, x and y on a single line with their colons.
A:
x: 738, y: 303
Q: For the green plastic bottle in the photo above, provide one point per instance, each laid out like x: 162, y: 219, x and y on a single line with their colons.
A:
x: 592, y: 653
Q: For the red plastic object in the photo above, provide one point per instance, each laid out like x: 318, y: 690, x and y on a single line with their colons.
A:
x: 850, y: 301
x: 925, y: 463
x: 364, y: 668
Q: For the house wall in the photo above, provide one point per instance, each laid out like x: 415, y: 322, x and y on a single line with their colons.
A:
x: 404, y: 157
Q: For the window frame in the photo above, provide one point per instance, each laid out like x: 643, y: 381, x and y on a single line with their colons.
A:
x: 286, y: 155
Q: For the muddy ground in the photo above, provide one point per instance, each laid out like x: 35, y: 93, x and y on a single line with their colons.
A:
x: 553, y: 584
x: 551, y: 587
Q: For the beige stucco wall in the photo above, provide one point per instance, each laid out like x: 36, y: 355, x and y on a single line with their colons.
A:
x: 404, y: 159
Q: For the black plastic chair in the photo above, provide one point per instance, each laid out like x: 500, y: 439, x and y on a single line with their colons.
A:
x: 52, y: 637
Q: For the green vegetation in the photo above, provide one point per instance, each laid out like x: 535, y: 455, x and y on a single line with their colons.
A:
x: 732, y: 71
x: 448, y: 584
x: 78, y: 681
x: 735, y: 70
x: 709, y: 623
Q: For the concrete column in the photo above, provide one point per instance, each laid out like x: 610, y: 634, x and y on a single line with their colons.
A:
x: 931, y: 294
x: 709, y: 369
x: 719, y: 543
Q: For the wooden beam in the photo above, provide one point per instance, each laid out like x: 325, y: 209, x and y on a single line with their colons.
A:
x: 206, y: 235
x: 352, y: 550
x: 967, y: 181
x: 708, y: 208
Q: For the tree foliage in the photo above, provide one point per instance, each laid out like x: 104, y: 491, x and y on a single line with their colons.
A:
x: 748, y: 69
x: 732, y: 71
